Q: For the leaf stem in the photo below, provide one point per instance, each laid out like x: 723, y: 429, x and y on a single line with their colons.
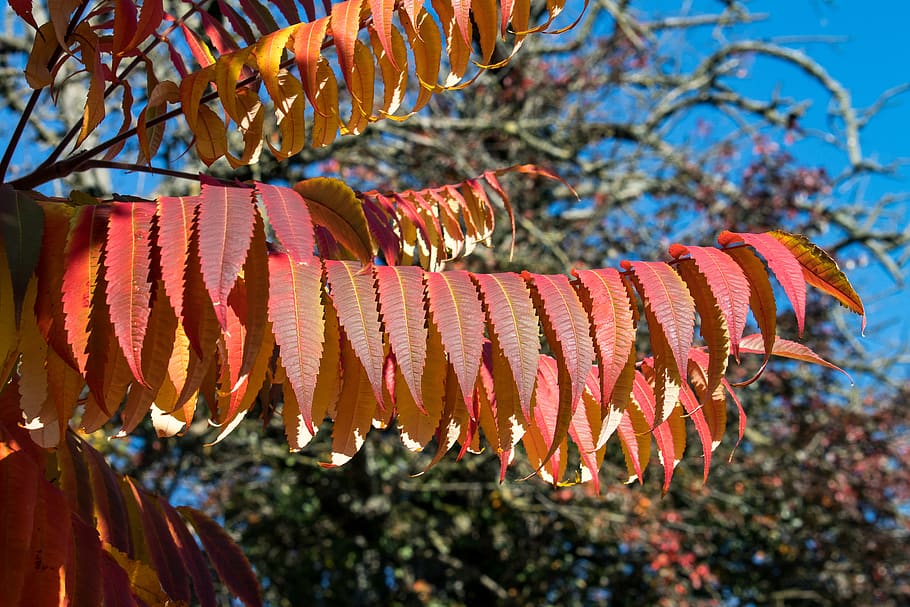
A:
x: 126, y: 166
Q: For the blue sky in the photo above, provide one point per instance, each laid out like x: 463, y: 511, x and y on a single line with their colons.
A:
x: 862, y: 45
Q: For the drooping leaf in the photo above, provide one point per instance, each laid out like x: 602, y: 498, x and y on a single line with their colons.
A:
x: 458, y: 315
x: 401, y: 296
x: 761, y: 296
x: 226, y: 220
x: 82, y: 254
x: 354, y: 297
x: 354, y: 412
x: 752, y: 344
x: 670, y: 311
x: 510, y: 314
x: 712, y: 325
x: 611, y: 316
x: 127, y: 261
x: 821, y: 271
x: 289, y: 216
x: 782, y: 262
x: 21, y: 226
x: 295, y: 309
x: 565, y: 325
x: 333, y: 205
x: 232, y: 566
x: 728, y: 284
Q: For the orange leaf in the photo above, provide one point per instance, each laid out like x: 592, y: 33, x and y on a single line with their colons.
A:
x: 333, y: 205
x: 821, y: 271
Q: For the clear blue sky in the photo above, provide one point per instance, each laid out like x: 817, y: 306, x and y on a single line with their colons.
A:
x: 869, y: 55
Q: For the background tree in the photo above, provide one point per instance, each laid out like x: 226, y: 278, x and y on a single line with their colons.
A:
x: 635, y: 165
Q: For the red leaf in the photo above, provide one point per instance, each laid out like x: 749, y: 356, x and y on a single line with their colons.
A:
x: 666, y: 295
x: 783, y: 263
x: 190, y: 555
x: 404, y: 316
x: 165, y: 556
x: 666, y: 449
x: 226, y: 219
x: 354, y: 297
x: 19, y: 478
x: 128, y: 288
x: 730, y: 288
x: 545, y: 454
x: 290, y: 218
x: 80, y: 275
x: 295, y: 309
x: 697, y: 414
x: 511, y: 315
x: 457, y: 313
x: 610, y: 311
x: 232, y: 566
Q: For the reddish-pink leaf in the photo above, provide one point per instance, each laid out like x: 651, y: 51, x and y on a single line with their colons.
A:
x: 127, y: 261
x: 544, y: 453
x: 80, y: 275
x: 565, y: 325
x: 354, y: 297
x: 752, y: 344
x: 226, y: 219
x: 290, y: 218
x: 730, y: 288
x: 458, y: 314
x: 697, y: 414
x: 404, y: 316
x: 232, y: 566
x: 668, y: 298
x: 585, y: 429
x: 783, y: 263
x: 666, y: 449
x: 175, y: 229
x: 295, y: 309
x: 345, y: 25
x: 511, y: 315
x: 383, y: 11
